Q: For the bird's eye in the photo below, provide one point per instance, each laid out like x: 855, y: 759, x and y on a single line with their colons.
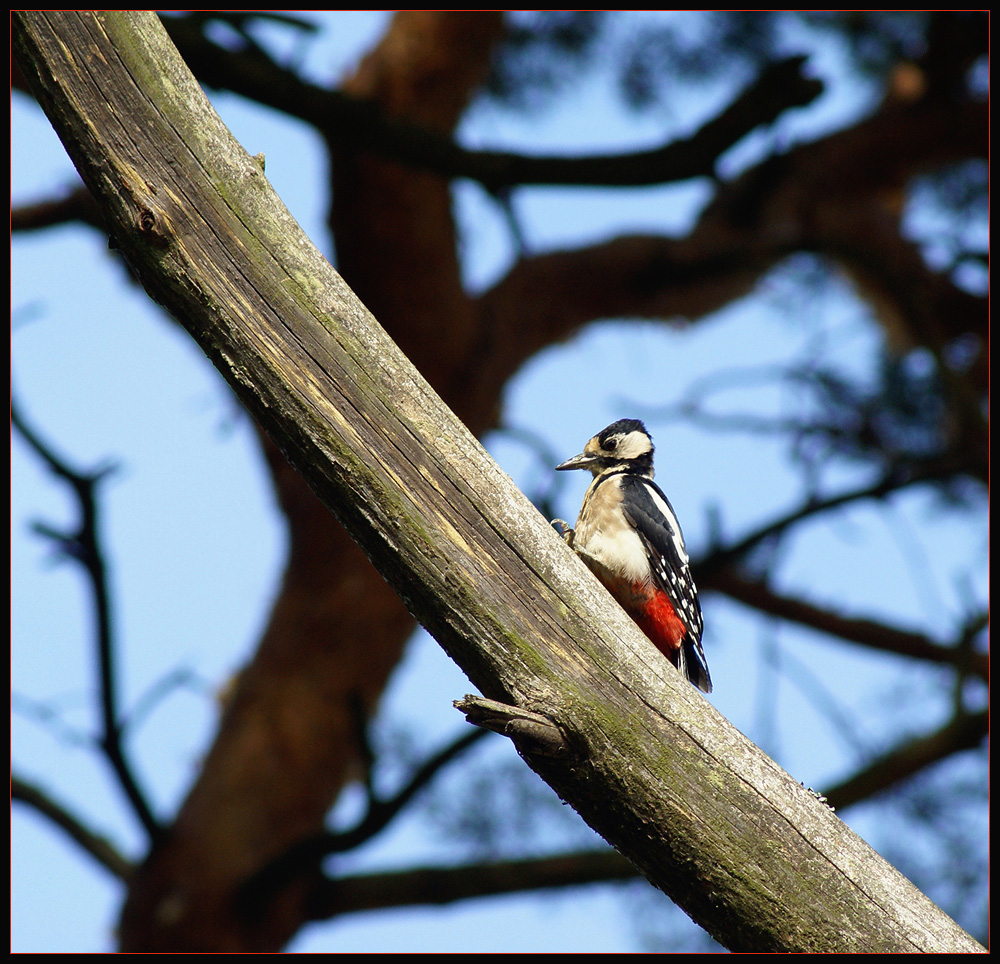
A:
x: 611, y: 444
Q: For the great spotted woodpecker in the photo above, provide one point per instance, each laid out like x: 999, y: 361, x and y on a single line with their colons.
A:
x: 628, y: 536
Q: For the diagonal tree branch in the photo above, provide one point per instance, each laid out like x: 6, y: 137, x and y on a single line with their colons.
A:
x: 892, y: 481
x: 964, y: 732
x: 382, y: 812
x: 865, y: 632
x: 98, y: 847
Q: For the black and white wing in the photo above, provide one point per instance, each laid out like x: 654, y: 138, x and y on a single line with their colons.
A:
x: 649, y: 510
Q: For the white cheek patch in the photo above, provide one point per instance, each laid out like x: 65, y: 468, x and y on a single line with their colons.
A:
x: 633, y: 445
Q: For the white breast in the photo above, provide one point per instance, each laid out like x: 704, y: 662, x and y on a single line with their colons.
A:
x: 603, y: 535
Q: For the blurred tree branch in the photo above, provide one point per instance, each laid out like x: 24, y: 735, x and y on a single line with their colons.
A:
x: 865, y: 632
x: 445, y: 885
x: 97, y: 846
x: 304, y: 857
x: 76, y: 205
x: 964, y: 732
x: 82, y: 544
x: 365, y: 125
x: 892, y: 481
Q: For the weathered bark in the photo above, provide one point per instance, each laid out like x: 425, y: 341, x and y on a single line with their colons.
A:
x: 705, y: 815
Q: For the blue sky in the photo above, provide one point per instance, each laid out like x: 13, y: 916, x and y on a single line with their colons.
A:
x: 196, y: 547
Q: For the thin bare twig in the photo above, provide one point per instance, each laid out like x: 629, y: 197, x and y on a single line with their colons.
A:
x: 707, y: 568
x: 47, y: 714
x: 382, y: 812
x: 83, y: 545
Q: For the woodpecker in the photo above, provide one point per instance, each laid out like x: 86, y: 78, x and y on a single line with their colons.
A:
x: 628, y: 536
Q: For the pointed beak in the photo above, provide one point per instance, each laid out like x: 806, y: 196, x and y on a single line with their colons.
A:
x: 581, y: 461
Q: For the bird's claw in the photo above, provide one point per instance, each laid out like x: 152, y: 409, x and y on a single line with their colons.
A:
x: 563, y: 528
